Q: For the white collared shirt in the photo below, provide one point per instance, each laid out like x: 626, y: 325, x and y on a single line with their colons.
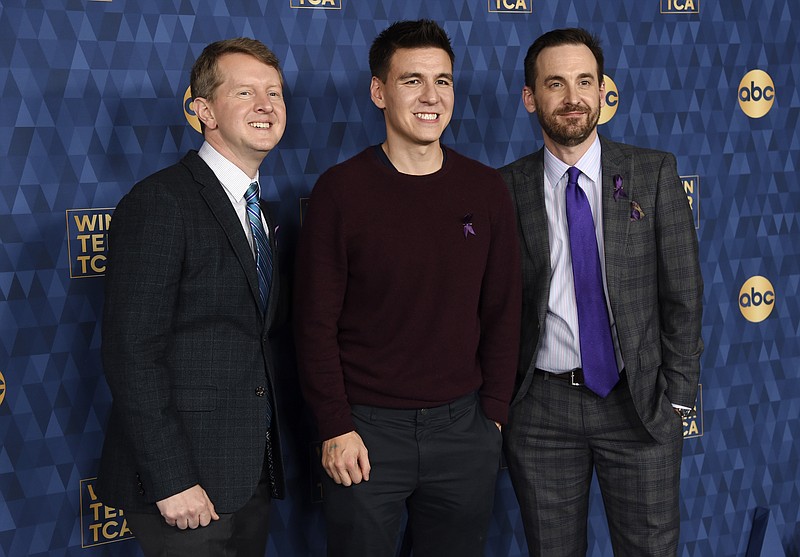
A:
x: 235, y: 183
x: 560, y: 349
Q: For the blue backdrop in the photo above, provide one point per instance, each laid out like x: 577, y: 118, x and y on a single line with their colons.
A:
x: 93, y: 99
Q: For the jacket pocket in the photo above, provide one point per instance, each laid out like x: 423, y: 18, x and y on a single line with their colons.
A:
x: 650, y: 356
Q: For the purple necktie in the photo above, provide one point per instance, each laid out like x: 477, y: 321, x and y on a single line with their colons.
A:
x: 598, y: 360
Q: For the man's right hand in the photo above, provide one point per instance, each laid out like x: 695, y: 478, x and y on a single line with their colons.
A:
x: 345, y: 459
x: 188, y: 509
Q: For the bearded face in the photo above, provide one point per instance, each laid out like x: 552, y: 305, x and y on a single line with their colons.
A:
x: 571, y: 124
x: 567, y: 94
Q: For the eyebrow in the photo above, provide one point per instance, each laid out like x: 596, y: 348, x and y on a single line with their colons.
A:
x: 254, y: 85
x: 419, y: 75
x: 561, y: 78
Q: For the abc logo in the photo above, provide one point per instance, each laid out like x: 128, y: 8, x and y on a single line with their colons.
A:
x: 612, y: 101
x: 756, y: 93
x: 188, y: 110
x: 756, y: 299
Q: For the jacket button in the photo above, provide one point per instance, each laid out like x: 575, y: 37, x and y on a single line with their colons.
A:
x: 260, y: 391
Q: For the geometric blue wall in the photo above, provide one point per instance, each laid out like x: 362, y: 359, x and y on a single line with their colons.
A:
x: 92, y: 100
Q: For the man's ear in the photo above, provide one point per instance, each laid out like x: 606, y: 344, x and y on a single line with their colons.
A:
x: 528, y: 100
x: 602, y: 93
x: 376, y: 92
x: 204, y: 112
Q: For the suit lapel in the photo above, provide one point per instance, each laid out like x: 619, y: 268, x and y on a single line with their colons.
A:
x: 616, y: 213
x: 220, y: 205
x: 529, y: 193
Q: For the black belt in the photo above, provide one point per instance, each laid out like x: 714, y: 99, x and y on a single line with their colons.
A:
x: 573, y: 377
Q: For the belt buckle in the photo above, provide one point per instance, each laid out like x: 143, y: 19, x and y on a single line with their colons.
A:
x: 572, y: 380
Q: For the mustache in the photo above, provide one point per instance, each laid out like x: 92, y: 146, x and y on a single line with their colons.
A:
x: 572, y: 108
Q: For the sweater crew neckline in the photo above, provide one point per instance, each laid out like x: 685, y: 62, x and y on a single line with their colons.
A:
x: 383, y: 158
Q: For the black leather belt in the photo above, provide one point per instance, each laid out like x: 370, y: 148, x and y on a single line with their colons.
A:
x: 573, y: 377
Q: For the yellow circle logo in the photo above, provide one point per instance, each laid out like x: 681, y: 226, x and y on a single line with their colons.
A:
x: 2, y: 388
x: 756, y: 299
x: 612, y: 101
x: 188, y: 110
x: 756, y: 93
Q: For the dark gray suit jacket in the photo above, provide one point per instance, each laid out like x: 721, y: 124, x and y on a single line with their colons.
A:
x: 652, y: 270
x: 185, y: 348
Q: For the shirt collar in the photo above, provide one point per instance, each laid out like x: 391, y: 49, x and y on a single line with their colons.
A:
x: 229, y: 175
x: 588, y: 164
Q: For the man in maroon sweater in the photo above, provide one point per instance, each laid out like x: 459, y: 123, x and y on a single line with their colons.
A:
x: 407, y: 318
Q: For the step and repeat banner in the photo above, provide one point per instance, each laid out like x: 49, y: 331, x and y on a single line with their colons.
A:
x: 94, y: 97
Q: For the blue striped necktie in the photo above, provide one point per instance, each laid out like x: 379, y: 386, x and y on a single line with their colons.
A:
x: 261, y: 243
x: 598, y: 359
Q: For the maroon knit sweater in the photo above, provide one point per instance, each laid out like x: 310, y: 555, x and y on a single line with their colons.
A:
x: 397, y: 304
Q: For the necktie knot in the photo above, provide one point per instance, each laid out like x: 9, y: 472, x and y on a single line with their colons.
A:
x: 572, y: 175
x: 251, y: 195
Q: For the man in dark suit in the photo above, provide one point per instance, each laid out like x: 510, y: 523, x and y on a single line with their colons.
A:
x: 610, y: 342
x: 192, y: 453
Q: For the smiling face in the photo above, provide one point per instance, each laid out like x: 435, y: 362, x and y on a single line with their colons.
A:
x: 567, y: 95
x: 417, y: 97
x: 246, y: 117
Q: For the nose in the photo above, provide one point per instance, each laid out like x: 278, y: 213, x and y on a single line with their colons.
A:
x: 263, y: 103
x: 429, y: 94
x: 572, y: 95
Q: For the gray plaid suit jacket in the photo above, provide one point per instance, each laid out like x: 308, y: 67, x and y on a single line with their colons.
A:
x: 652, y: 269
x: 186, y: 350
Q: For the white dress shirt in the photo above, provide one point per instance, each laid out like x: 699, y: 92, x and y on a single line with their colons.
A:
x: 235, y: 183
x: 560, y: 349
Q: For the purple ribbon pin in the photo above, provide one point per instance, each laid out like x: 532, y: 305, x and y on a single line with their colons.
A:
x: 618, y: 191
x: 467, y: 221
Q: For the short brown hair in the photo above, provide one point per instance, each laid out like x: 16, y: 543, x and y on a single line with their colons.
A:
x: 205, y: 76
x: 559, y: 37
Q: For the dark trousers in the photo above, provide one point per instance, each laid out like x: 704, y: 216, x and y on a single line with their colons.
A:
x: 440, y: 464
x: 239, y: 534
x: 557, y: 436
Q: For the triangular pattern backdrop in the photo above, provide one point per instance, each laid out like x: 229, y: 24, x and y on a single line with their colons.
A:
x: 92, y: 100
